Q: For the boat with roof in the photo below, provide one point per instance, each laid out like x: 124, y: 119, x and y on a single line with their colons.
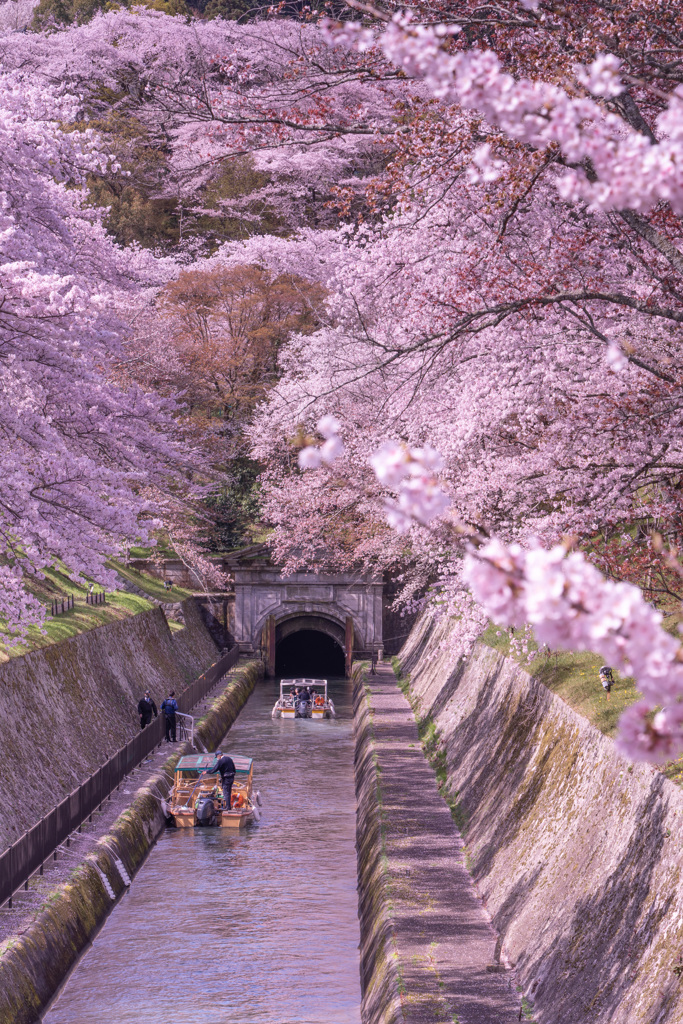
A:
x: 197, y: 796
x: 303, y: 698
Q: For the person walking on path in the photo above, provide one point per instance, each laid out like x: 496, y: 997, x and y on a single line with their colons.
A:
x: 169, y: 708
x: 607, y: 679
x: 146, y: 707
x: 225, y: 766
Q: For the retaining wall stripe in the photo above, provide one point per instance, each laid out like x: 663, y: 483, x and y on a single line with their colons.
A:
x: 425, y: 912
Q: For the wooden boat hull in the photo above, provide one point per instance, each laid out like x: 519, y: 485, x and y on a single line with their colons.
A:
x: 231, y: 819
x: 185, y: 819
x: 235, y: 819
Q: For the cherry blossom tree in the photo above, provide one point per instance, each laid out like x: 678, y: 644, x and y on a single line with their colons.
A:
x: 494, y: 383
x: 77, y: 450
x: 15, y: 15
x: 311, y: 119
x: 549, y: 425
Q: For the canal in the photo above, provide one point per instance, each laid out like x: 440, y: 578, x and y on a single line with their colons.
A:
x: 258, y: 927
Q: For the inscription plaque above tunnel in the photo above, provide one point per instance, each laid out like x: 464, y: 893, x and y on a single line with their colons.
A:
x: 344, y: 606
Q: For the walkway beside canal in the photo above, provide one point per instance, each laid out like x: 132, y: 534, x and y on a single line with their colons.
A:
x: 435, y: 929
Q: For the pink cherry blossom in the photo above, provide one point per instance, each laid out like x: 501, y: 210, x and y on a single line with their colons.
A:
x: 329, y: 427
x: 331, y: 449
x: 310, y: 458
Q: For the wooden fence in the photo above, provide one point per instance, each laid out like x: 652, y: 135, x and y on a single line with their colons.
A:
x: 65, y: 604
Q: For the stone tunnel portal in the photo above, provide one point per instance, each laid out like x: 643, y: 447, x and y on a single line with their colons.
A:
x: 272, y: 612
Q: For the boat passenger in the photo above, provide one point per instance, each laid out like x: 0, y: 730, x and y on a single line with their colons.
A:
x: 304, y: 693
x: 225, y: 766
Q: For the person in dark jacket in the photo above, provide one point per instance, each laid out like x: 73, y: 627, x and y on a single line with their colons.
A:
x: 146, y: 707
x: 169, y: 708
x: 225, y: 766
x: 607, y: 679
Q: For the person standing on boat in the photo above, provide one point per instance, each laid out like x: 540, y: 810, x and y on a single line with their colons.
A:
x: 169, y: 708
x: 225, y: 766
x: 145, y: 708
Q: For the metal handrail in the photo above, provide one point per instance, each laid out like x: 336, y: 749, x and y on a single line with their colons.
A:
x: 29, y: 853
x: 186, y: 728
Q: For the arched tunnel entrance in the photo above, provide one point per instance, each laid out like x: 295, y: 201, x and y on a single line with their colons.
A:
x: 309, y: 645
x: 308, y: 652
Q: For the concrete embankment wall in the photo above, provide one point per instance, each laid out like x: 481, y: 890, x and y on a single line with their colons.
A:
x: 66, y: 708
x: 380, y: 978
x: 576, y: 852
x: 34, y: 964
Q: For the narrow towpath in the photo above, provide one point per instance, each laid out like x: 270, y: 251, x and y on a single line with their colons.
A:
x: 28, y: 903
x: 445, y: 943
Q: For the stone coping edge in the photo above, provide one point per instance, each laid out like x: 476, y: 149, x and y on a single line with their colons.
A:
x: 379, y: 970
x: 34, y: 965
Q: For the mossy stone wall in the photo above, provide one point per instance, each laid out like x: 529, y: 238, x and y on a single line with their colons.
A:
x: 576, y: 852
x: 34, y: 964
x: 380, y: 983
x: 66, y: 708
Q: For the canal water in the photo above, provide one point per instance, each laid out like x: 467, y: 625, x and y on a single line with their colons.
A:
x: 255, y: 927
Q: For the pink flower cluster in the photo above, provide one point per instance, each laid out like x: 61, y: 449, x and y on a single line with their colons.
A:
x: 571, y: 605
x: 631, y: 171
x: 312, y: 456
x: 411, y: 471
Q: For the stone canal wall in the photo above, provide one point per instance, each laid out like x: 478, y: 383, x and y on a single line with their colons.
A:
x: 66, y: 708
x: 380, y: 979
x: 34, y: 964
x: 576, y: 852
x: 428, y: 951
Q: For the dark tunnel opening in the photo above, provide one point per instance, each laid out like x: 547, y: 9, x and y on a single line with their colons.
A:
x: 309, y: 653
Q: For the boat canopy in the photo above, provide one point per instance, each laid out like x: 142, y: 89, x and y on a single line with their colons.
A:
x: 193, y: 764
x: 312, y: 684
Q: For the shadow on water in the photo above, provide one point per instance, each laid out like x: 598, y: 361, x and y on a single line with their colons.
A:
x: 258, y: 926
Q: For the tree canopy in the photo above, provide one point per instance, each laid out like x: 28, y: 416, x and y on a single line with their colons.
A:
x: 423, y: 268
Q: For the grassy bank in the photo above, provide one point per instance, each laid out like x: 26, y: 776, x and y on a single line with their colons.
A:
x: 152, y: 585
x: 574, y: 677
x: 56, y: 585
